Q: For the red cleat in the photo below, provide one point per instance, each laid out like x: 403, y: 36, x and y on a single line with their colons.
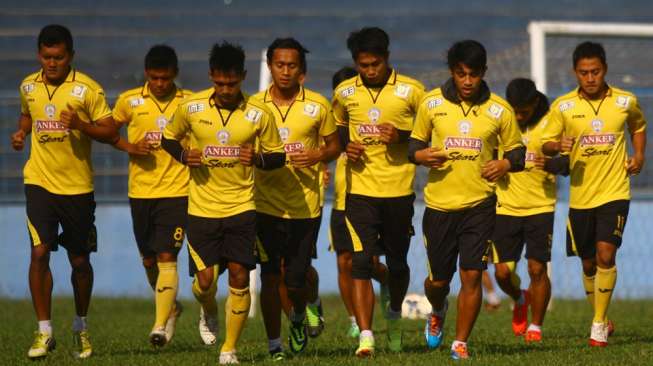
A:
x: 533, y: 336
x: 520, y: 315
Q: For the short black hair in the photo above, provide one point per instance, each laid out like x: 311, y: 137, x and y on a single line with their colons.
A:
x: 227, y: 57
x: 288, y: 43
x: 343, y: 74
x: 161, y: 56
x: 589, y: 50
x: 470, y: 53
x: 54, y: 34
x: 372, y: 40
x: 521, y: 92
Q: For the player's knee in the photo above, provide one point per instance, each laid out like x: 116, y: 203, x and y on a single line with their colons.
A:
x: 80, y: 263
x: 361, y: 266
x: 536, y: 270
x: 40, y: 255
x: 470, y: 278
x: 238, y: 276
x: 295, y: 279
x: 344, y: 262
x: 430, y: 284
x: 204, y: 280
x: 589, y: 267
x: 149, y: 262
x: 164, y: 257
x: 605, y: 258
x: 502, y: 272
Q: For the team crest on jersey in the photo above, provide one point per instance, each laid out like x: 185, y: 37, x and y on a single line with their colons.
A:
x: 465, y: 127
x: 348, y: 92
x: 434, y: 103
x: 50, y: 110
x: 78, y: 91
x: 136, y: 102
x: 622, y: 101
x: 402, y: 90
x: 284, y: 133
x: 597, y: 125
x: 223, y: 136
x: 161, y: 122
x: 374, y: 114
x: 311, y: 109
x: 195, y: 108
x: 28, y: 88
x: 566, y: 106
x: 253, y: 115
x: 495, y: 110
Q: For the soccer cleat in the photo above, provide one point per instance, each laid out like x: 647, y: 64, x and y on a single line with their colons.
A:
x: 208, y: 327
x: 520, y: 315
x: 43, y: 343
x: 82, y: 344
x: 158, y: 337
x: 434, y: 330
x: 297, y: 337
x: 365, y: 347
x: 394, y: 335
x: 599, y: 335
x: 171, y: 324
x: 460, y: 352
x: 533, y: 336
x: 610, y: 328
x: 314, y: 320
x: 277, y: 355
x: 228, y: 358
x: 353, y: 331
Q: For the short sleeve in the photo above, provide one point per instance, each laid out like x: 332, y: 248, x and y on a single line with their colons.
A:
x: 179, y: 125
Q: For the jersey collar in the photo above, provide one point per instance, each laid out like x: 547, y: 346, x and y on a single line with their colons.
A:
x: 449, y: 92
x: 145, y: 91
x: 267, y: 97
x: 608, y: 93
x: 392, y: 80
x: 241, y: 106
x: 69, y: 78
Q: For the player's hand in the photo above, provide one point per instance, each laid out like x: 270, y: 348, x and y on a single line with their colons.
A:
x: 354, y: 151
x: 635, y: 164
x: 142, y: 147
x: 18, y: 140
x: 192, y: 158
x: 305, y: 158
x: 69, y: 118
x: 566, y: 143
x: 389, y: 133
x: 246, y: 155
x: 326, y: 176
x: 495, y: 169
x: 540, y: 161
x: 431, y: 157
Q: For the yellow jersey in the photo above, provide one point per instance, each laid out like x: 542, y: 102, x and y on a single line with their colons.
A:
x: 340, y: 183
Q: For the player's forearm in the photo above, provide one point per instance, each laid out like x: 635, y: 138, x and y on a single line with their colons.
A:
x: 174, y: 148
x: 25, y: 124
x: 558, y: 165
x: 104, y: 131
x: 330, y: 151
x: 551, y: 148
x: 122, y: 145
x: 415, y: 145
x: 516, y: 158
x: 639, y: 144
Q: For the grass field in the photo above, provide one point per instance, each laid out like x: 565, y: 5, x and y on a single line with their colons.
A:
x: 119, y: 329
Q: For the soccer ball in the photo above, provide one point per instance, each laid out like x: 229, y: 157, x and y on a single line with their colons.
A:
x: 415, y: 306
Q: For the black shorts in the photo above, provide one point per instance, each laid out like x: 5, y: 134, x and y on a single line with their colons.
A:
x: 218, y: 241
x: 586, y: 227
x: 466, y: 232
x: 511, y: 233
x: 293, y: 240
x: 159, y: 224
x: 75, y: 213
x: 338, y: 233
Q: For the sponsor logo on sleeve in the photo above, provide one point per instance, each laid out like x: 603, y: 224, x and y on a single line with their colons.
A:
x: 253, y: 115
x: 622, y: 101
x: 495, y: 110
x: 28, y: 88
x: 347, y: 92
x: 78, y: 91
x: 195, y: 108
x: 311, y: 110
x: 566, y: 106
x: 434, y: 103
x: 402, y: 90
x: 136, y: 102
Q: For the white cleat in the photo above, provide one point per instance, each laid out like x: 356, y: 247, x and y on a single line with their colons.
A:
x: 208, y: 328
x: 228, y: 358
x: 599, y: 335
x: 171, y: 324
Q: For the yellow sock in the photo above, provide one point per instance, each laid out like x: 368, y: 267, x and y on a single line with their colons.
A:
x: 236, y: 311
x: 207, y: 298
x: 514, y: 277
x: 166, y: 292
x: 588, y: 284
x: 604, y: 286
x: 152, y: 273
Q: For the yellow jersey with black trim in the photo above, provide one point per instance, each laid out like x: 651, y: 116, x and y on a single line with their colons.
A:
x: 469, y: 133
x: 533, y: 190
x: 383, y: 170
x: 340, y: 183
x: 289, y: 192
x: 222, y: 186
x: 60, y: 159
x: 598, y: 157
x: 156, y: 175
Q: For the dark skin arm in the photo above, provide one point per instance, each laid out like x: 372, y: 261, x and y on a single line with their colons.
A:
x: 24, y: 129
x: 103, y: 130
x: 327, y: 152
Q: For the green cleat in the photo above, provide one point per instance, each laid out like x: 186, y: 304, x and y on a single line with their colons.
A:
x: 314, y: 320
x: 353, y: 331
x: 394, y: 335
x: 82, y: 345
x: 297, y: 339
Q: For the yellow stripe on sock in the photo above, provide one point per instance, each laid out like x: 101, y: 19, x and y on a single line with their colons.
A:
x: 355, y: 239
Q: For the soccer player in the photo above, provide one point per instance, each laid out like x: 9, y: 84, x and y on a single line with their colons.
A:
x: 288, y: 211
x: 340, y: 239
x: 230, y: 133
x: 65, y: 109
x: 457, y: 128
x: 158, y: 184
x: 525, y: 205
x: 589, y: 125
x: 374, y: 112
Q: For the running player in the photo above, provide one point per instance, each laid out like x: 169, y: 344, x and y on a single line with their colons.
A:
x: 230, y: 133
x: 589, y: 124
x: 457, y: 128
x: 374, y: 112
x: 288, y: 209
x: 525, y: 205
x: 158, y: 184
x: 65, y: 109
